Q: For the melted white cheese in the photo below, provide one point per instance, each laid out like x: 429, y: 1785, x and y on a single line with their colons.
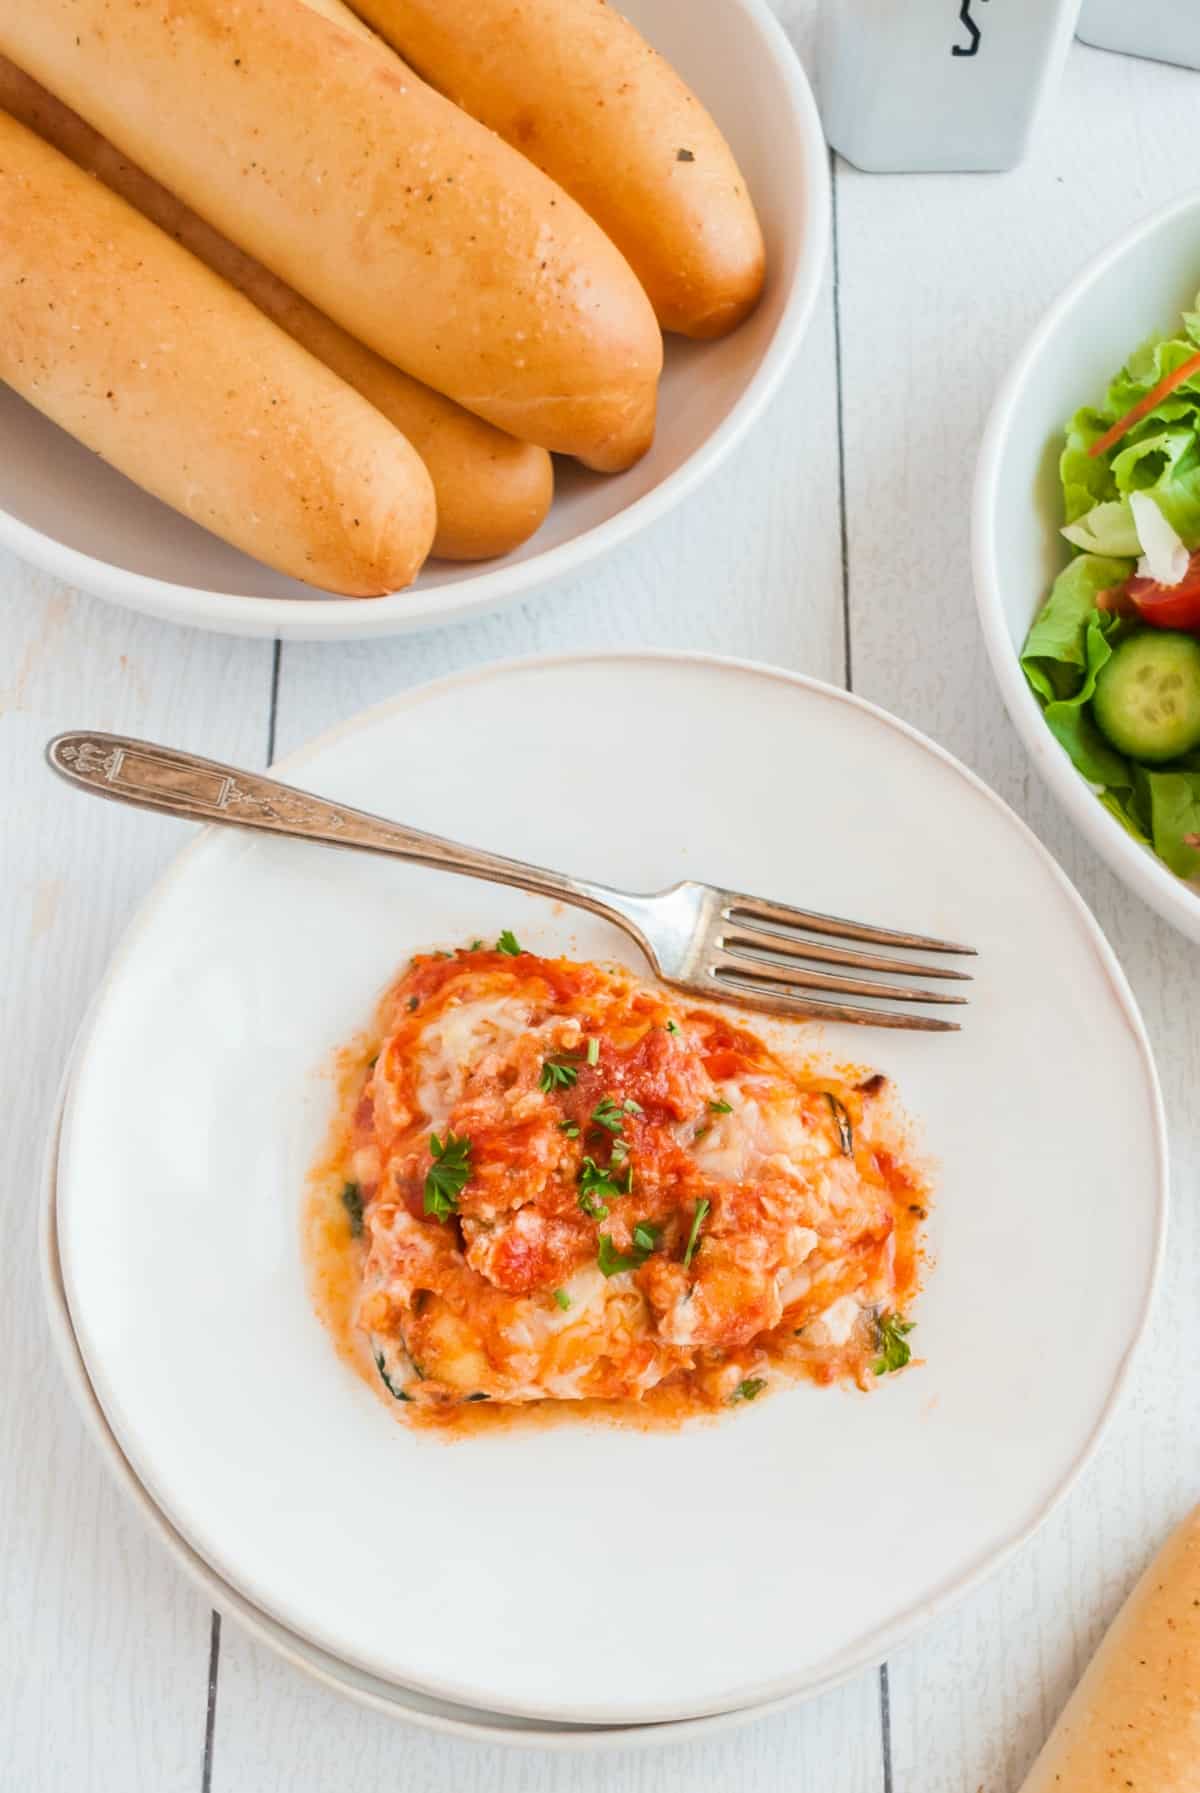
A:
x: 739, y: 1143
x: 585, y: 1291
x: 795, y: 1281
x: 835, y: 1325
x: 452, y: 1044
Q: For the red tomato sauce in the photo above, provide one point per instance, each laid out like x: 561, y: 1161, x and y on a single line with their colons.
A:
x: 640, y: 1094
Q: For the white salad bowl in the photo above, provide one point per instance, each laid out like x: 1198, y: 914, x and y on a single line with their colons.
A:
x: 66, y: 511
x: 1138, y: 286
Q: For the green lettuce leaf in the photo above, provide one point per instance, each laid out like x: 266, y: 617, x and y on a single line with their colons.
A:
x: 1172, y: 800
x: 1160, y: 454
x: 1070, y: 718
x: 1064, y: 652
x: 1121, y: 804
x: 1108, y: 528
x: 1085, y: 482
x: 1056, y: 652
x: 1151, y: 362
x: 1166, y: 464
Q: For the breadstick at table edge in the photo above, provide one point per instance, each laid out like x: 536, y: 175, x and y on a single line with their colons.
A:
x: 149, y: 358
x: 576, y: 88
x: 1134, y: 1719
x: 320, y: 153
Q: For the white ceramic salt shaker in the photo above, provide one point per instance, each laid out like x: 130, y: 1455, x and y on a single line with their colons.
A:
x: 922, y: 85
x: 1164, y: 30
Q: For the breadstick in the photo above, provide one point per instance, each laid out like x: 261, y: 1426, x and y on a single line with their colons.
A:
x: 1134, y: 1719
x: 143, y: 353
x: 577, y: 89
x: 410, y: 224
x: 492, y: 491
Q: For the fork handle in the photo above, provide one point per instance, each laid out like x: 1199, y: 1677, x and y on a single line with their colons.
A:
x: 202, y: 790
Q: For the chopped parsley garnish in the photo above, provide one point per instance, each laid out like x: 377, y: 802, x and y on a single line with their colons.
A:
x: 448, y: 1175
x: 562, y: 1299
x: 632, y: 1107
x: 478, y: 1397
x: 557, y: 1073
x: 721, y: 1107
x: 672, y: 1027
x: 509, y: 944
x: 569, y: 1128
x: 397, y: 1393
x: 475, y: 946
x: 352, y: 1202
x: 612, y: 1261
x: 891, y: 1335
x: 619, y: 1174
x: 606, y: 1114
x: 747, y: 1390
x: 593, y: 1052
x: 596, y: 1189
x: 842, y: 1122
x: 698, y: 1219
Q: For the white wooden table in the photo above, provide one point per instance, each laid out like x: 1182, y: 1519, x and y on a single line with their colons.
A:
x: 835, y: 543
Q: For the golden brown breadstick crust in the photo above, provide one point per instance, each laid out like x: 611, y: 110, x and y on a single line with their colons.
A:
x: 577, y: 89
x: 145, y: 355
x: 406, y: 221
x: 1134, y: 1719
x: 492, y: 491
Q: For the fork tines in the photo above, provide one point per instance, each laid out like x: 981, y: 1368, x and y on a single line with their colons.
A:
x: 770, y: 955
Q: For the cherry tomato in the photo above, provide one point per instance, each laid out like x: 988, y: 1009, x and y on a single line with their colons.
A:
x: 1169, y: 606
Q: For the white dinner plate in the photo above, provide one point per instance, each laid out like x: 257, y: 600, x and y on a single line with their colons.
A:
x: 401, y: 1703
x: 596, y: 1575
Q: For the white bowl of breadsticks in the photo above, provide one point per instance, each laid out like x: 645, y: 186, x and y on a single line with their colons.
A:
x: 320, y: 322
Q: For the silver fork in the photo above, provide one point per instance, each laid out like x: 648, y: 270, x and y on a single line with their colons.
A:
x: 715, y: 944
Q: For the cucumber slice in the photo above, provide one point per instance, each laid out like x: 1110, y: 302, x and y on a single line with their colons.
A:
x: 1147, y: 698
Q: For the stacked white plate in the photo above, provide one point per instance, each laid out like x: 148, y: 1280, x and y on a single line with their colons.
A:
x: 581, y: 1587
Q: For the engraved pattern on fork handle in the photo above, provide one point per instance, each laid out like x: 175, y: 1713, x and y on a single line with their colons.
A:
x: 185, y: 784
x: 131, y: 771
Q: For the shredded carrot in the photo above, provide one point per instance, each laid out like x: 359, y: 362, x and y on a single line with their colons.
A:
x: 1144, y: 406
